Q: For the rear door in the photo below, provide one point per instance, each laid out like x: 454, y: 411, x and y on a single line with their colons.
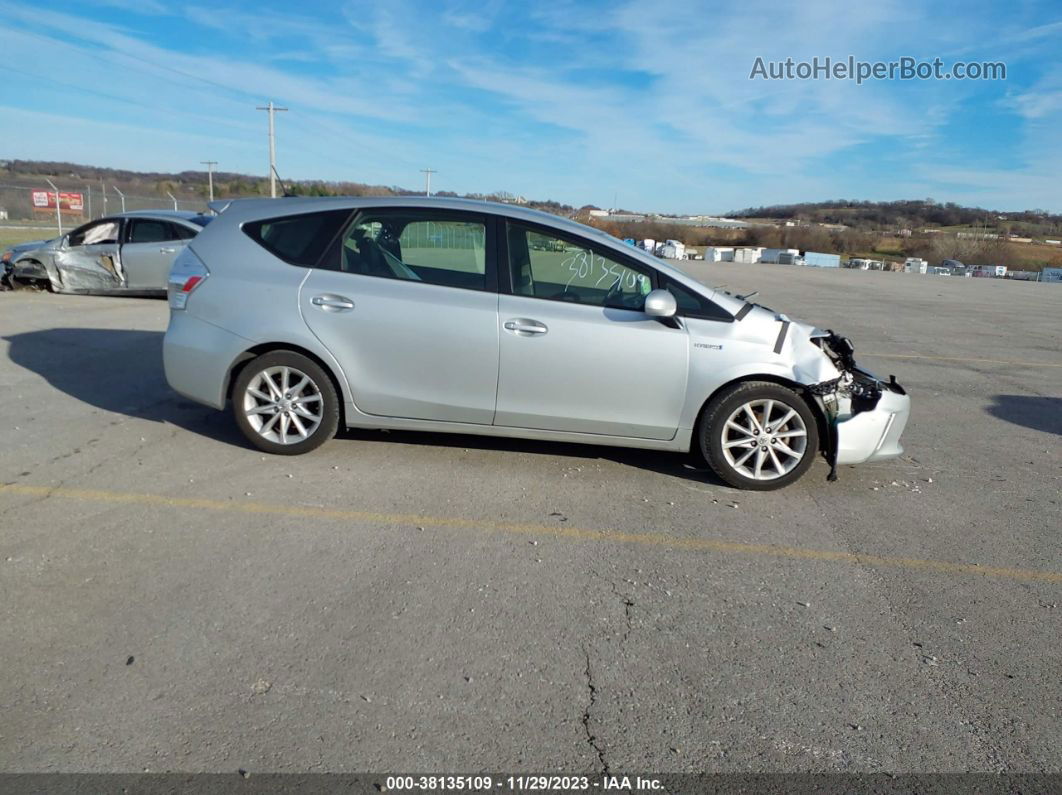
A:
x: 151, y: 245
x: 407, y: 301
x: 577, y: 351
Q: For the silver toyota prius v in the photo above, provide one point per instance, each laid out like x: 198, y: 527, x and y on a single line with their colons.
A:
x: 471, y: 317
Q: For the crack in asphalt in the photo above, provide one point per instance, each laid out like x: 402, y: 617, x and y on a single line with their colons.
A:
x: 591, y: 738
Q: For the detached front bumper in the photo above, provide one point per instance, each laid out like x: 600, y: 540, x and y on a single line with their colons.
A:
x: 874, y: 433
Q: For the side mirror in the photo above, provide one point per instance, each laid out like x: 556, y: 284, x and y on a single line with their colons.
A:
x: 660, y: 304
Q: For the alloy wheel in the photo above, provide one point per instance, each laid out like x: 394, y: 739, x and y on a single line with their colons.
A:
x: 764, y: 439
x: 283, y: 405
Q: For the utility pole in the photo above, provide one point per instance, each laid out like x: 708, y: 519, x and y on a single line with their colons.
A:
x: 88, y: 193
x: 210, y: 175
x: 427, y: 172
x: 272, y: 147
x: 58, y: 211
x: 103, y: 192
x: 174, y: 198
x: 120, y: 194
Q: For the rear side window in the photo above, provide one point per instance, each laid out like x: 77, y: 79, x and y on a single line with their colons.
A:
x: 440, y: 247
x: 149, y: 230
x: 297, y: 239
x: 182, y: 232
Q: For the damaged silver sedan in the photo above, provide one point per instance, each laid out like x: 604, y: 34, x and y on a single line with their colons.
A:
x: 458, y: 316
x: 129, y: 253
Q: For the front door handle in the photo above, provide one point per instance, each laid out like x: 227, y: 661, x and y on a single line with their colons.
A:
x: 332, y: 303
x: 525, y: 327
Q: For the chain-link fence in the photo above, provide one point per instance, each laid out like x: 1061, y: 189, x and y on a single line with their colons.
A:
x: 33, y: 205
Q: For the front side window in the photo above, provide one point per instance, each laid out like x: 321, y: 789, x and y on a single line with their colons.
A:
x: 545, y: 266
x: 418, y: 246
x: 95, y: 234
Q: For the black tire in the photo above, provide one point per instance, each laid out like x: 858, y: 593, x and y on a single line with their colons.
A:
x: 712, y: 433
x: 320, y: 384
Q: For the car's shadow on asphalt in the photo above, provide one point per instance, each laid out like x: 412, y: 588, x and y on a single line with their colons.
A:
x: 120, y: 371
x: 1029, y: 411
x: 116, y: 370
x: 677, y: 465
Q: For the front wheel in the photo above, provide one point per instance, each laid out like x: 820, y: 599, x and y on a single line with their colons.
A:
x: 758, y: 435
x: 285, y: 403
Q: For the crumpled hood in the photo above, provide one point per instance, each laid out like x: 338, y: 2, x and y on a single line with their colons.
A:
x: 787, y: 338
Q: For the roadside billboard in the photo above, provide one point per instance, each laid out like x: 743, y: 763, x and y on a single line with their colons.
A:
x: 44, y: 201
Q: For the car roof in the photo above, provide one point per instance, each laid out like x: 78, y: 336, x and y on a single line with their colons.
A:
x: 180, y: 215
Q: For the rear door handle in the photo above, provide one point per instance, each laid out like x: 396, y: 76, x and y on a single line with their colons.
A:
x: 525, y: 327
x: 167, y: 250
x: 332, y: 303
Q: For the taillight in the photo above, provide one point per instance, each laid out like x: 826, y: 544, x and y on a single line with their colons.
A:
x: 186, y: 274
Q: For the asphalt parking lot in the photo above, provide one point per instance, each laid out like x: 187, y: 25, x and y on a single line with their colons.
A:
x: 172, y: 600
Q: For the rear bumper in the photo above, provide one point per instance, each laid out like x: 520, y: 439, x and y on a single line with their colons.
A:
x: 874, y: 435
x: 197, y: 357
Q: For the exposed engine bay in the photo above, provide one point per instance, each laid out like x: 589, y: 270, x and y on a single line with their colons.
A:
x: 854, y: 392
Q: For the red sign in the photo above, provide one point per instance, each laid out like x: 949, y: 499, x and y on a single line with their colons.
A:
x: 44, y: 200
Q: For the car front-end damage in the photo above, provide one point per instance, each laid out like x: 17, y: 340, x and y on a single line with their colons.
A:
x: 69, y: 271
x: 864, y: 415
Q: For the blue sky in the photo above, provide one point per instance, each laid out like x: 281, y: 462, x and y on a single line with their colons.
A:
x: 646, y: 100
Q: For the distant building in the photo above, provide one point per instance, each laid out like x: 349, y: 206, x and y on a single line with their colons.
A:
x: 719, y: 254
x: 1053, y: 242
x: 817, y: 259
x: 747, y: 255
x: 673, y: 249
x: 772, y: 254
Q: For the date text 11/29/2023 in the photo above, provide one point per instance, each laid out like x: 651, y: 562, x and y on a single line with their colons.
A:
x: 520, y: 783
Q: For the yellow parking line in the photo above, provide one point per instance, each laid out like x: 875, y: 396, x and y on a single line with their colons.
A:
x: 557, y: 531
x: 957, y: 359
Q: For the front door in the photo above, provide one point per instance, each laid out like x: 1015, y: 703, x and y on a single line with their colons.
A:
x: 89, y: 258
x: 577, y: 351
x: 408, y: 304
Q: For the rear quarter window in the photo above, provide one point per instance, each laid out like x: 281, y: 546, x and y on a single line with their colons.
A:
x: 297, y: 239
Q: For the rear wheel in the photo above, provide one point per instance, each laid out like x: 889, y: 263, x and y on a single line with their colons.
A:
x: 758, y: 435
x: 285, y: 403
